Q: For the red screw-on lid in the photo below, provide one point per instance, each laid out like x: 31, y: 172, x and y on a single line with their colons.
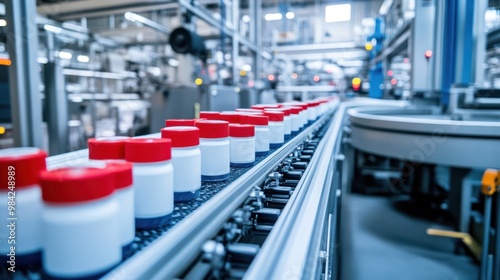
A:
x: 107, y: 147
x: 241, y: 130
x: 21, y: 167
x: 122, y: 173
x: 295, y: 110
x: 179, y: 122
x: 231, y: 117
x: 313, y: 104
x: 245, y: 110
x: 275, y: 116
x: 213, y: 129
x: 209, y: 115
x: 302, y: 105
x: 148, y: 150
x: 76, y: 184
x: 182, y: 136
x: 265, y: 106
x: 258, y: 120
x: 285, y: 110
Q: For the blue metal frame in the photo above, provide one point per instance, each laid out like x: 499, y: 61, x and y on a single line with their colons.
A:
x: 449, y: 50
x: 376, y: 73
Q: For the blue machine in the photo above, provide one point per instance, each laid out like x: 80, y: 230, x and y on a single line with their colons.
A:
x: 376, y: 73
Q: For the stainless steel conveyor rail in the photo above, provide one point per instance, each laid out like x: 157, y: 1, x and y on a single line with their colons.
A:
x: 301, y: 244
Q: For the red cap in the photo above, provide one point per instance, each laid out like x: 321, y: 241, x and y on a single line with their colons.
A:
x: 301, y: 105
x: 148, y: 150
x: 107, y: 147
x: 265, y: 106
x: 209, y: 115
x: 295, y: 110
x: 213, y: 129
x: 231, y: 117
x: 122, y: 173
x: 182, y: 136
x: 313, y: 103
x: 76, y: 184
x: 179, y: 122
x: 245, y: 110
x: 275, y: 116
x: 241, y: 130
x: 285, y: 110
x: 258, y: 120
x: 23, y: 164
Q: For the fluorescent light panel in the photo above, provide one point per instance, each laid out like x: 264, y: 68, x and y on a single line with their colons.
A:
x: 52, y: 28
x: 338, y: 13
x: 65, y: 55
x: 83, y: 58
x: 270, y: 17
x: 290, y: 15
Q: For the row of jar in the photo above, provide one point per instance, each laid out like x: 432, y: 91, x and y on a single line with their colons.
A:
x: 86, y: 217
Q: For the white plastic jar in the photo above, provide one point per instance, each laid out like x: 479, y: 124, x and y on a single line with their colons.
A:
x: 302, y: 114
x: 311, y: 112
x: 124, y: 194
x: 242, y: 144
x: 104, y: 148
x: 276, y: 128
x: 186, y: 159
x: 214, y: 147
x: 20, y: 205
x: 80, y: 223
x: 262, y: 133
x: 153, y: 177
x: 287, y: 121
x: 295, y: 111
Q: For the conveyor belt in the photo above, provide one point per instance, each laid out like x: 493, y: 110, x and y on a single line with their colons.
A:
x: 181, y: 210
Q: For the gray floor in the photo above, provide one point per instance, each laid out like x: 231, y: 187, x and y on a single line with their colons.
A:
x: 380, y: 242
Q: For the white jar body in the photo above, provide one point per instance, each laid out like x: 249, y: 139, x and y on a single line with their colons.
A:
x: 153, y: 189
x: 242, y: 150
x: 262, y: 138
x: 187, y: 169
x: 125, y: 198
x: 287, y: 125
x: 28, y: 208
x: 277, y: 133
x: 311, y: 114
x: 81, y: 240
x: 295, y: 123
x: 303, y: 118
x: 214, y: 156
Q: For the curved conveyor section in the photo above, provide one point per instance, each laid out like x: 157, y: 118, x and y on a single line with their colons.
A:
x: 421, y: 135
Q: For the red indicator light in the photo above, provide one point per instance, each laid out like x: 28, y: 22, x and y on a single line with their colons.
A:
x: 316, y: 78
x: 270, y: 77
x: 390, y: 73
x: 394, y: 82
x: 428, y: 54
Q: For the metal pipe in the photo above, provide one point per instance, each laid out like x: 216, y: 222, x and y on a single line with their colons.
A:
x: 133, y: 17
x: 24, y: 80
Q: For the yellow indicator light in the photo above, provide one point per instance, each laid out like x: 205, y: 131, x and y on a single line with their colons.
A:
x: 5, y: 61
x: 356, y: 81
x: 368, y: 46
x: 198, y: 81
x: 243, y: 73
x: 2, y: 130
